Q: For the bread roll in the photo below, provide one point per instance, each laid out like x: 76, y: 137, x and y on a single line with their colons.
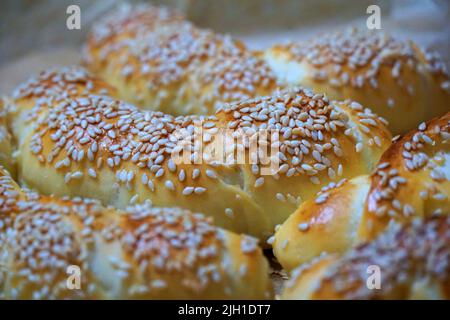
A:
x: 139, y: 253
x: 396, y: 79
x: 411, y: 263
x: 158, y: 61
x: 412, y: 180
x: 97, y: 147
x: 49, y: 87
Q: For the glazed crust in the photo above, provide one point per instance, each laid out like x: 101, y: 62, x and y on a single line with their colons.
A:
x: 139, y: 253
x: 92, y: 145
x: 317, y: 227
x: 159, y: 61
x: 174, y: 90
x: 412, y: 178
x: 413, y: 263
x: 394, y: 78
x: 410, y: 181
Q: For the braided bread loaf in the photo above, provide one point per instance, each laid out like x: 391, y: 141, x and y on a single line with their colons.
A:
x: 159, y: 61
x: 73, y: 142
x: 70, y: 135
x: 411, y: 180
x: 413, y: 263
x: 392, y: 77
x: 144, y: 252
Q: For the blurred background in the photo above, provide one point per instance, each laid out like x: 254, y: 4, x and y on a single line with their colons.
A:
x: 34, y: 35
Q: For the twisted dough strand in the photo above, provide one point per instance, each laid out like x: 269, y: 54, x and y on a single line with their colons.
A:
x: 158, y: 61
x: 91, y: 145
x: 139, y: 253
x: 392, y: 77
x: 413, y: 261
x: 411, y: 180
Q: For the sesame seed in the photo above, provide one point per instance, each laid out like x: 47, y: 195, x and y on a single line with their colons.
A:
x: 303, y: 226
x: 211, y: 173
x: 151, y: 185
x: 195, y: 173
x: 229, y: 212
x: 321, y: 199
x: 92, y: 173
x: 359, y: 147
x: 169, y: 185
x: 171, y: 165
x: 259, y: 182
x: 77, y: 175
x: 134, y: 199
x: 144, y: 179
x: 159, y: 173
x: 280, y: 197
x: 188, y: 190
x: 181, y: 175
x: 199, y: 190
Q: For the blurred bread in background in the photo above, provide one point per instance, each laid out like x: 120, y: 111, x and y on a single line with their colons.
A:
x: 27, y: 24
x: 34, y: 34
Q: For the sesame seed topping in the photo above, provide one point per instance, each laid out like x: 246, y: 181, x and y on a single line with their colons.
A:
x: 364, y: 53
x: 259, y: 182
x: 161, y: 59
x: 419, y: 250
x: 137, y: 146
x: 169, y: 185
x: 188, y: 190
x: 303, y: 226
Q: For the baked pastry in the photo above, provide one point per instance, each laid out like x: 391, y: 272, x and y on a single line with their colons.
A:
x: 396, y: 79
x: 139, y: 253
x: 411, y: 180
x: 158, y: 61
x: 91, y: 145
x: 200, y: 117
x: 412, y: 262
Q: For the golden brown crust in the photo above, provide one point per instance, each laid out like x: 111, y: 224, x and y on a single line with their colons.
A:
x: 142, y: 252
x: 413, y: 263
x: 46, y: 89
x: 174, y: 67
x: 75, y: 139
x: 315, y: 228
x: 391, y: 77
x: 133, y: 19
x: 95, y: 146
x: 411, y: 181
